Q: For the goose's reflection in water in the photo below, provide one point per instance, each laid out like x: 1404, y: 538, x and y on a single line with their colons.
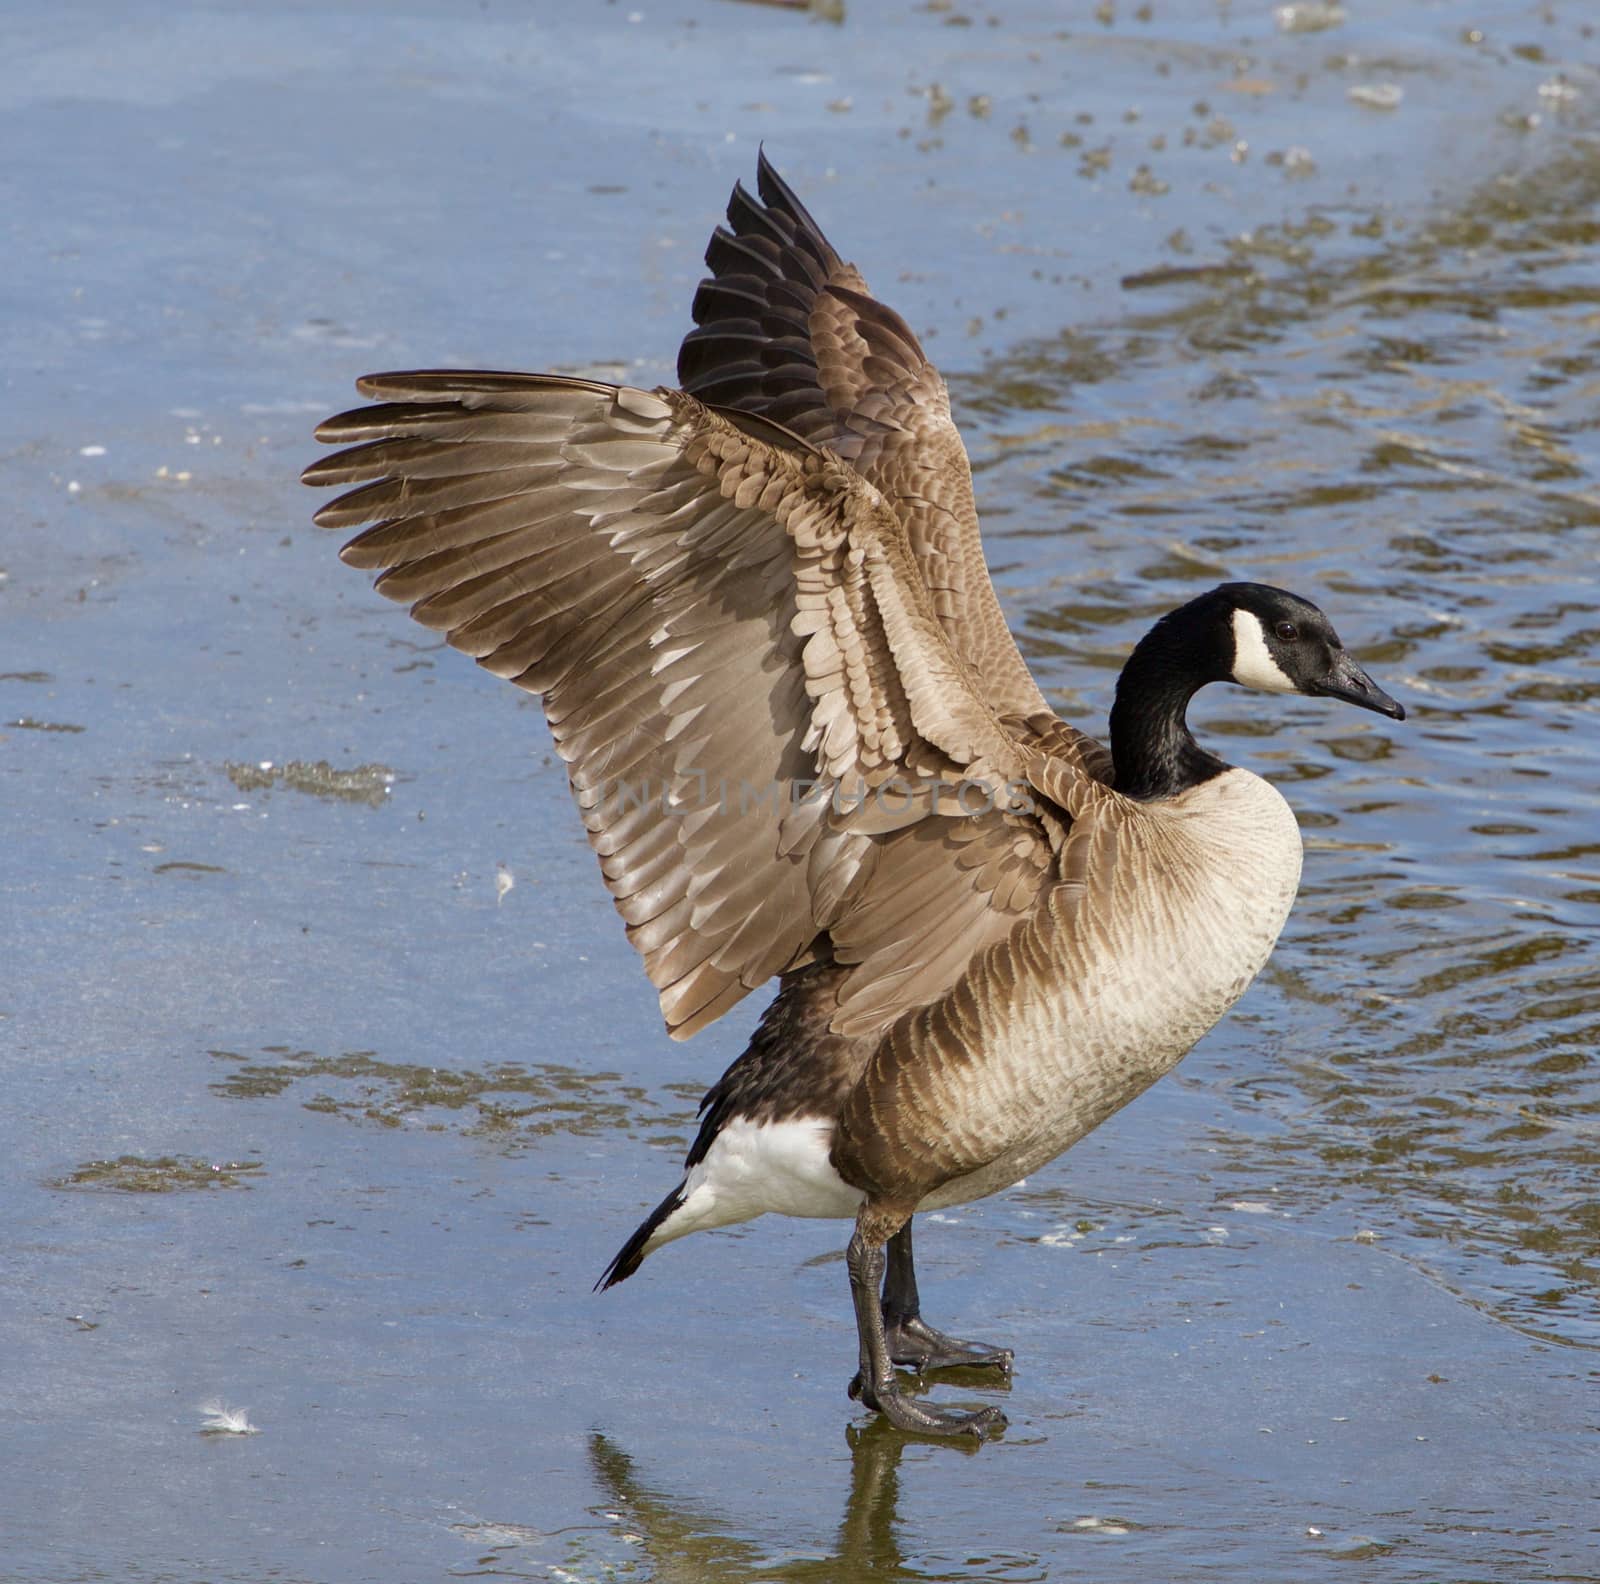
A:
x: 689, y: 1542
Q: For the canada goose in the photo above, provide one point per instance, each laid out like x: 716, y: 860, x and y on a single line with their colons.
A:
x: 805, y: 745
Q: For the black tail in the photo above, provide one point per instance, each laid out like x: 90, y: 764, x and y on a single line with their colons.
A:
x: 631, y: 1255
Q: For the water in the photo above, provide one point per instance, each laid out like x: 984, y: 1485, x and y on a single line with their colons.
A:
x: 307, y: 1112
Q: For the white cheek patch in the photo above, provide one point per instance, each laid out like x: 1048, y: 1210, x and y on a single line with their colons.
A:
x: 1253, y: 665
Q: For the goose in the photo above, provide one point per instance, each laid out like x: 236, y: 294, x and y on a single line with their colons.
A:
x: 805, y: 746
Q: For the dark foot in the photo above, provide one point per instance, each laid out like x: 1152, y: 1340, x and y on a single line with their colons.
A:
x: 916, y: 1418
x: 916, y: 1345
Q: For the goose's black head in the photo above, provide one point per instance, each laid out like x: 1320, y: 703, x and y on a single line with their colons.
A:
x: 1249, y: 633
x: 1284, y: 644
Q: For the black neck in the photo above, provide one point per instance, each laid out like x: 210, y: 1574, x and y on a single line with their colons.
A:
x: 1154, y: 752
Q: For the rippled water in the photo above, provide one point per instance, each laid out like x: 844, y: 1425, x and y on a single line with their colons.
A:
x: 1405, y: 431
x: 307, y: 1110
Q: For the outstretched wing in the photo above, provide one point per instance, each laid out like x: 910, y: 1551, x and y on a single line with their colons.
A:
x: 789, y: 331
x: 715, y: 614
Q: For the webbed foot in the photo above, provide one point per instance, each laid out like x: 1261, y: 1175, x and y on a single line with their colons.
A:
x: 907, y: 1414
x: 916, y: 1345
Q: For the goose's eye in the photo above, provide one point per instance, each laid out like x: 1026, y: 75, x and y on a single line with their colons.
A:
x: 1287, y: 631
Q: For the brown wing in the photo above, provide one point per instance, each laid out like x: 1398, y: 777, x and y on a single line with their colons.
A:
x: 715, y: 615
x: 941, y: 891
x: 789, y: 331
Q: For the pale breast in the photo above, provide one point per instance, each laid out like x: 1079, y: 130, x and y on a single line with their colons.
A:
x: 1168, y: 931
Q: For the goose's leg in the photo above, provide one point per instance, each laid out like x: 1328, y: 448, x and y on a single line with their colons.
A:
x: 912, y: 1341
x: 876, y: 1384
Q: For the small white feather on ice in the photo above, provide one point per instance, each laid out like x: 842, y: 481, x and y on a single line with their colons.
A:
x: 222, y: 1420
